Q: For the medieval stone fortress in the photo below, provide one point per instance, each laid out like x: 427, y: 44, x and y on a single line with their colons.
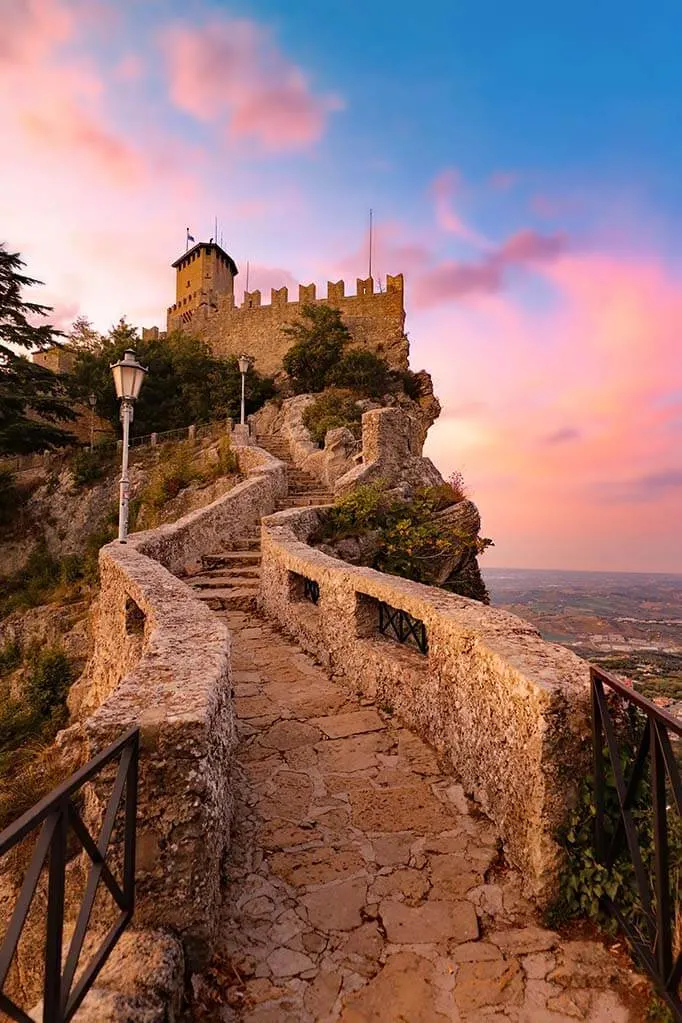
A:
x: 345, y: 786
x: 204, y: 305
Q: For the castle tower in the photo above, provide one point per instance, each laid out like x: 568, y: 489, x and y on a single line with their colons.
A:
x: 202, y: 273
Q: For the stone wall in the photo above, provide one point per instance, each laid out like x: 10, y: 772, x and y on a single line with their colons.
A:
x: 376, y: 320
x: 507, y: 711
x: 161, y: 661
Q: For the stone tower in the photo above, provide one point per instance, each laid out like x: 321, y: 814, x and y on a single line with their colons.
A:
x: 203, y: 273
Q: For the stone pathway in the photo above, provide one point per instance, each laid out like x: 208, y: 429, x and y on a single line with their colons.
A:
x: 362, y: 886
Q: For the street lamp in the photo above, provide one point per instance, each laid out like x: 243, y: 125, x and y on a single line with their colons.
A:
x: 244, y: 363
x: 128, y: 376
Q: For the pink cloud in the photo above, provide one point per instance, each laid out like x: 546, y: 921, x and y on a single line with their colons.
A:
x: 231, y: 72
x: 570, y: 414
x: 453, y: 279
x: 444, y: 189
x: 129, y: 69
x: 31, y: 29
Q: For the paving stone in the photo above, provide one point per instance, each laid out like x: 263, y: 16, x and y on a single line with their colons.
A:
x: 403, y: 990
x: 494, y: 983
x: 475, y: 952
x: 316, y: 866
x: 452, y: 876
x: 420, y: 757
x: 365, y: 941
x: 432, y: 922
x: 575, y: 1004
x: 538, y: 965
x: 413, y: 807
x: 523, y: 940
x: 337, y: 907
x: 285, y: 962
x: 290, y: 734
x: 277, y: 834
x: 412, y: 884
x: 292, y: 798
x: 340, y: 726
x: 358, y: 753
x: 584, y: 964
x: 253, y: 706
x: 322, y: 993
x: 390, y: 850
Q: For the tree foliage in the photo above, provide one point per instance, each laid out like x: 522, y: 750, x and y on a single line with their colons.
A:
x: 332, y: 409
x: 185, y: 383
x: 363, y: 371
x: 33, y: 400
x: 319, y: 340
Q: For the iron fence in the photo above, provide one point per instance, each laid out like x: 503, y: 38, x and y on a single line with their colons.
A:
x: 626, y: 733
x: 59, y: 820
x: 402, y: 627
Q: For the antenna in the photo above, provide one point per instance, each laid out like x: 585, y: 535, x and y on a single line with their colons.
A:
x: 370, y: 243
x: 247, y: 276
x: 215, y: 232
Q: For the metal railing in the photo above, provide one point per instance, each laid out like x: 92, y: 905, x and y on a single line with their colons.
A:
x: 311, y: 590
x: 402, y: 627
x: 58, y: 815
x: 644, y: 801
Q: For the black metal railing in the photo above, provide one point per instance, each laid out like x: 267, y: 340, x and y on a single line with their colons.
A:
x: 629, y: 731
x: 311, y: 590
x: 60, y: 821
x: 401, y: 626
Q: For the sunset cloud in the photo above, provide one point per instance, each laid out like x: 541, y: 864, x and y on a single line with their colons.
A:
x: 231, y: 73
x: 444, y: 189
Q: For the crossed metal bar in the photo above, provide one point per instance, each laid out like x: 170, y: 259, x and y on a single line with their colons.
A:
x: 57, y: 813
x: 401, y: 626
x: 653, y: 948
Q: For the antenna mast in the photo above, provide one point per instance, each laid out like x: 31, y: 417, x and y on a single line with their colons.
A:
x: 370, y: 244
x: 247, y: 276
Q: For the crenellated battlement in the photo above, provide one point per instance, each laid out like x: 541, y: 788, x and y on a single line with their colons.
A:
x: 205, y: 306
x: 307, y: 294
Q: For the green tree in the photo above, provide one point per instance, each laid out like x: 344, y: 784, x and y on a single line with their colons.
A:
x: 33, y: 399
x: 83, y: 336
x: 185, y: 384
x: 362, y: 371
x: 319, y: 340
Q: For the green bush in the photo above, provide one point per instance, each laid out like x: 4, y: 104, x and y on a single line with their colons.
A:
x: 332, y: 409
x: 409, y: 540
x: 89, y: 466
x: 50, y: 676
x: 361, y: 370
x: 10, y: 656
x: 585, y: 881
x: 170, y: 477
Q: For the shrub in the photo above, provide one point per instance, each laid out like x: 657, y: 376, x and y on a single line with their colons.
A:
x: 332, y: 409
x: 224, y: 465
x: 361, y: 370
x: 50, y: 676
x: 409, y: 382
x: 10, y: 656
x: 89, y: 466
x: 170, y: 477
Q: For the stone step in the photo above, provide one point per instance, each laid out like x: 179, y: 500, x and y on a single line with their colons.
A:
x: 222, y: 582
x: 230, y: 559
x: 230, y: 600
x: 305, y: 502
x: 244, y: 543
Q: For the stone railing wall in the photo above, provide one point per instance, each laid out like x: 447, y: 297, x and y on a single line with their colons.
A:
x: 506, y: 711
x: 162, y: 661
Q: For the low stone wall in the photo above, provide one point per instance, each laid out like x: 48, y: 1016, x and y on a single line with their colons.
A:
x: 162, y: 661
x: 507, y: 711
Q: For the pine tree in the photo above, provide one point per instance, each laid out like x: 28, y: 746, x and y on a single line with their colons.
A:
x: 33, y: 399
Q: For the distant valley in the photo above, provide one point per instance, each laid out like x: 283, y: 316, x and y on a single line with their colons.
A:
x: 628, y: 622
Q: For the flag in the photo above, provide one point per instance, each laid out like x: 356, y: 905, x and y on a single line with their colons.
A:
x: 189, y: 236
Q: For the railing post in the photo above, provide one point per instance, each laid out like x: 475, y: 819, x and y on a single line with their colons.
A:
x: 154, y: 439
x: 52, y: 994
x: 191, y: 432
x: 598, y: 767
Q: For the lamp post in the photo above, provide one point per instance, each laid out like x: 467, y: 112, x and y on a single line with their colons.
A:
x: 92, y: 401
x: 244, y: 363
x: 128, y: 376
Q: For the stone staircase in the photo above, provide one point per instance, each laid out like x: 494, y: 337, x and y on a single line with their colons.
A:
x: 229, y: 580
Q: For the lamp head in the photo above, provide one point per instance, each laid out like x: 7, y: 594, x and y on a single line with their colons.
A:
x: 128, y: 376
x: 244, y: 363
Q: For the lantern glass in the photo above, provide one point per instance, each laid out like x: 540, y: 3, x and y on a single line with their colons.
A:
x: 128, y: 376
x: 244, y: 363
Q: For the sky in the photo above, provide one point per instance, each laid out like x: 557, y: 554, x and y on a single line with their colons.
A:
x: 522, y: 162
